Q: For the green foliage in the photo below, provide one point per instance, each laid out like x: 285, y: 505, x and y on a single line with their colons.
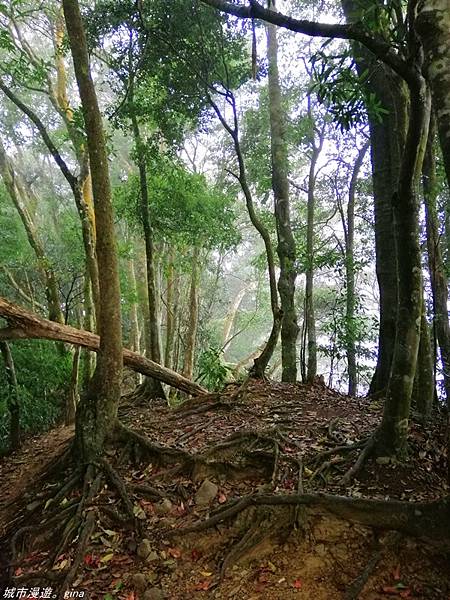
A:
x: 42, y: 372
x: 343, y: 90
x: 212, y: 371
x: 185, y: 210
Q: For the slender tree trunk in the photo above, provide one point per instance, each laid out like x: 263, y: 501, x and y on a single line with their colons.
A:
x: 350, y: 298
x: 17, y: 191
x: 97, y: 411
x: 261, y: 362
x: 151, y: 387
x: 13, y: 397
x: 172, y: 291
x: 135, y: 333
x: 231, y: 317
x: 436, y: 268
x: 73, y: 396
x: 191, y: 336
x: 309, y: 332
x: 286, y: 244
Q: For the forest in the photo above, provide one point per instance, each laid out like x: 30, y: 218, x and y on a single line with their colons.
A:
x: 224, y: 326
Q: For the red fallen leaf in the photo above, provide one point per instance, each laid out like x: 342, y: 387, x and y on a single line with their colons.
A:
x: 297, y: 584
x: 202, y: 585
x: 396, y: 573
x: 392, y: 591
x: 196, y: 554
x: 91, y: 561
x: 405, y: 593
x: 174, y: 552
x: 222, y: 498
x: 130, y: 596
x: 18, y: 571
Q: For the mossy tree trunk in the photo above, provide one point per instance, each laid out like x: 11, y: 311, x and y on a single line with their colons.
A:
x: 286, y: 244
x: 391, y: 437
x: 97, y: 411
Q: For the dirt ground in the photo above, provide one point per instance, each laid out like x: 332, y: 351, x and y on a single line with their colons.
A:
x: 257, y: 442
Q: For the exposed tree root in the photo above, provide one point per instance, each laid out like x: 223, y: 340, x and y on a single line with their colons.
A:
x: 429, y: 520
x: 357, y: 585
x: 364, y: 455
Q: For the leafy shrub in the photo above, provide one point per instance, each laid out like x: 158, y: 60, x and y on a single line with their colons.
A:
x: 43, y: 373
x: 212, y: 371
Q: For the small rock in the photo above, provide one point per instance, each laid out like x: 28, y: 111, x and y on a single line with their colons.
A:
x: 144, y: 549
x: 152, y: 556
x: 154, y: 593
x: 139, y: 582
x: 206, y: 492
x: 383, y: 460
x: 320, y: 549
x: 33, y: 505
x: 164, y: 507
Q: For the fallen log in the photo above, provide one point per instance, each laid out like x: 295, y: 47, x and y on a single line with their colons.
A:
x: 23, y: 324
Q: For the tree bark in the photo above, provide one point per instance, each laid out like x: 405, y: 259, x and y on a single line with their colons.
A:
x: 25, y: 325
x: 230, y: 318
x: 424, y: 384
x: 97, y: 411
x: 13, y: 400
x: 286, y: 244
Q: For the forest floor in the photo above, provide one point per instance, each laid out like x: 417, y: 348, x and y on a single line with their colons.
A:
x: 257, y: 442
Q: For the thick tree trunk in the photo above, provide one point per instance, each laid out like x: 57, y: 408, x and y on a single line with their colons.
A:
x: 387, y: 140
x: 24, y: 325
x: 97, y: 411
x: 286, y: 244
x: 170, y: 312
x: 13, y: 397
x: 391, y: 437
x: 191, y: 334
x: 436, y: 267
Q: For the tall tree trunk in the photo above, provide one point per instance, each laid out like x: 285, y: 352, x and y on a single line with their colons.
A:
x: 387, y: 141
x: 350, y: 298
x: 152, y: 388
x: 17, y: 191
x: 391, y: 437
x: 436, y: 267
x: 286, y: 244
x: 309, y: 317
x: 13, y: 397
x: 191, y: 335
x: 97, y: 411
